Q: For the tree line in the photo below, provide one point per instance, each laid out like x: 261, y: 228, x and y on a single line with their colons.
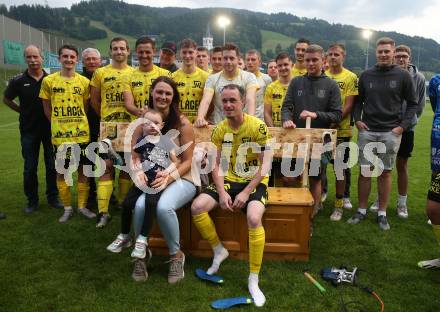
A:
x: 177, y: 23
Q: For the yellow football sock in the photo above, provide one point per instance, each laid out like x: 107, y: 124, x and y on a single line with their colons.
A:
x: 104, y: 192
x: 83, y: 194
x: 64, y: 191
x: 436, y: 229
x: 206, y: 228
x: 257, y: 239
x: 124, y: 186
x: 339, y: 203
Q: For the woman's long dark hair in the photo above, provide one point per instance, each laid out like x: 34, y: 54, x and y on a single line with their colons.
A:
x: 173, y: 119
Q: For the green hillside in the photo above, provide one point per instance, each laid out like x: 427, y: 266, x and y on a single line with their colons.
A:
x: 103, y: 44
x: 270, y: 39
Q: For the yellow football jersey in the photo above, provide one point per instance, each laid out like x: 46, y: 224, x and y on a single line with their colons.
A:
x: 110, y: 81
x: 297, y: 72
x: 139, y: 83
x: 348, y: 85
x: 190, y: 87
x: 68, y: 97
x: 243, y: 162
x: 274, y: 95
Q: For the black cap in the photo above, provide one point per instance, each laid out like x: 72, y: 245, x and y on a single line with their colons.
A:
x: 169, y: 46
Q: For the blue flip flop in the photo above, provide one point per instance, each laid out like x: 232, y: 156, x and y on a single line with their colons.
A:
x: 230, y: 302
x: 200, y: 273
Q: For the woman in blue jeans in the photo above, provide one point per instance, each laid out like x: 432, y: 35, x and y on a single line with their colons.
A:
x: 177, y: 192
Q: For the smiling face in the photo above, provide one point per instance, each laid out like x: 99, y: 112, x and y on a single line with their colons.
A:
x: 385, y: 54
x: 167, y: 58
x: 162, y: 96
x: 145, y: 53
x: 402, y: 58
x: 119, y: 51
x: 300, y: 50
x: 284, y: 67
x: 188, y: 55
x: 314, y: 62
x: 91, y: 61
x: 232, y: 103
x: 68, y: 59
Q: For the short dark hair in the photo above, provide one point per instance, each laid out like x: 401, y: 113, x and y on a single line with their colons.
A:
x: 385, y: 40
x: 188, y: 43
x: 67, y: 47
x: 403, y: 48
x: 282, y: 56
x: 117, y: 39
x: 302, y: 40
x: 145, y: 40
x: 233, y: 86
x: 229, y: 46
x: 254, y: 51
x: 216, y: 49
x: 337, y: 45
x: 200, y: 49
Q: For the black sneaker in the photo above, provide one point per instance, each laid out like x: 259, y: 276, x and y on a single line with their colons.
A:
x: 356, y: 218
x: 55, y: 203
x: 383, y: 223
x: 31, y: 208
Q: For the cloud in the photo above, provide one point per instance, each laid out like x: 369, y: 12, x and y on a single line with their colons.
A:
x: 405, y: 16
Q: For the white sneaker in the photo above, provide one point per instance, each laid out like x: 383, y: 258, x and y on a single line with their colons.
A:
x: 402, y: 211
x: 68, y: 213
x: 347, y: 203
x: 120, y: 242
x: 140, y: 248
x: 104, y: 218
x: 429, y: 222
x: 336, y: 215
x: 87, y: 213
x: 323, y: 197
x: 374, y: 206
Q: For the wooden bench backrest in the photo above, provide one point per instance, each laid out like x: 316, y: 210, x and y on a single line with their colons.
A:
x: 116, y: 132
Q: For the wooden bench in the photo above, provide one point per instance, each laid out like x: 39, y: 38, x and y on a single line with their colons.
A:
x: 286, y: 220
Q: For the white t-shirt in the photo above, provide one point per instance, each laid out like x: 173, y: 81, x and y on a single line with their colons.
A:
x: 215, y: 84
x: 263, y: 81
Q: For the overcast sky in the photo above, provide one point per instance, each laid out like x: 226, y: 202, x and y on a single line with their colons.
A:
x: 404, y: 16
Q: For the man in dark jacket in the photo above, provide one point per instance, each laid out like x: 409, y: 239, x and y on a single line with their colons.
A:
x: 316, y: 96
x: 381, y: 117
x: 34, y: 128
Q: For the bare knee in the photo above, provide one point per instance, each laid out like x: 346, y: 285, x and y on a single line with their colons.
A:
x: 199, y: 205
x: 254, y: 220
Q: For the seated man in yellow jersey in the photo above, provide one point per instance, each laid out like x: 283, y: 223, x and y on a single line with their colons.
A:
x: 243, y: 188
x: 253, y: 63
x: 137, y: 84
x: 65, y: 95
x: 299, y: 68
x: 347, y: 82
x: 203, y: 58
x: 190, y: 80
x: 216, y: 60
x: 273, y: 100
x: 108, y: 101
x: 215, y: 83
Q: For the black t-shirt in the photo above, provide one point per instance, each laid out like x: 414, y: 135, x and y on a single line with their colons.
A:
x: 27, y: 89
x: 154, y: 157
x: 92, y: 116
